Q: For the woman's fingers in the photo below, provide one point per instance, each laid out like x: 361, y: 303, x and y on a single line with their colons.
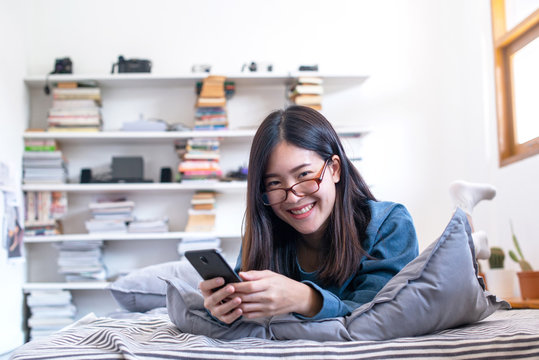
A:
x: 208, y: 286
x: 224, y: 308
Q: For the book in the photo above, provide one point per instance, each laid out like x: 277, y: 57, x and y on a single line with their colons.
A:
x: 74, y: 129
x: 307, y: 89
x: 307, y: 99
x: 213, y: 87
x: 77, y: 121
x: 211, y: 102
x: 310, y: 80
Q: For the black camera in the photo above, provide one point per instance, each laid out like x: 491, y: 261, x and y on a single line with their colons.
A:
x: 132, y: 65
x: 63, y: 66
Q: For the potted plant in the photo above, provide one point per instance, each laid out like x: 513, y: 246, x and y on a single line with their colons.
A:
x: 527, y: 278
x: 500, y: 281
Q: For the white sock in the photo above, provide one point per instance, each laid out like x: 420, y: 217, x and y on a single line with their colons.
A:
x: 480, y: 242
x: 466, y: 195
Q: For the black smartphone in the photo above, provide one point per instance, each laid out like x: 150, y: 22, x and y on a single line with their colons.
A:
x: 210, y: 264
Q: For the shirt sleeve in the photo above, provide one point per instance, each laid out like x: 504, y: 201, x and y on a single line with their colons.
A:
x: 390, y: 248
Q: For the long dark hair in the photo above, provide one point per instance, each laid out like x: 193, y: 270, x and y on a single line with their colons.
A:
x: 269, y: 242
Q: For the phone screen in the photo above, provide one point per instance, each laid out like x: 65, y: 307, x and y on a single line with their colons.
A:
x: 211, y: 264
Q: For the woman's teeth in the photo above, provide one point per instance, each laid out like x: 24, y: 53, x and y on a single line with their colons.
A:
x: 303, y: 210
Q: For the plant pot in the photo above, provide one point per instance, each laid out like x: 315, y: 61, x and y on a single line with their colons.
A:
x: 529, y: 284
x: 501, y: 282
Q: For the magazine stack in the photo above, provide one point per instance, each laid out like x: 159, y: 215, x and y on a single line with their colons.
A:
x: 51, y: 310
x: 81, y: 261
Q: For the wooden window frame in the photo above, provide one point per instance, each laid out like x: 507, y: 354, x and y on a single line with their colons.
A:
x: 507, y: 43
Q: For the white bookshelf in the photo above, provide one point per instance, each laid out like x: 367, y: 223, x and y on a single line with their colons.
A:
x: 170, y: 97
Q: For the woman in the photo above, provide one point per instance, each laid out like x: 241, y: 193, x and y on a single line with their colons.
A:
x: 316, y: 242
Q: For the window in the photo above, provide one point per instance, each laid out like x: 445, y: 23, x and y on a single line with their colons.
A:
x: 516, y: 56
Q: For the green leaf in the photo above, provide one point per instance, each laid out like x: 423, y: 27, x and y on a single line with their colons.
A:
x: 513, y: 256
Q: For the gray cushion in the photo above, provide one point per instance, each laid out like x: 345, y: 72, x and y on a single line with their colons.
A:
x: 142, y: 290
x: 439, y: 289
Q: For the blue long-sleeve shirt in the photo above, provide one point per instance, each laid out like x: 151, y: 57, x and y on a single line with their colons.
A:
x: 391, y: 242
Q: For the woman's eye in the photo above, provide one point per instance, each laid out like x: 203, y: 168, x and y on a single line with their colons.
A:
x: 272, y: 184
x: 303, y: 174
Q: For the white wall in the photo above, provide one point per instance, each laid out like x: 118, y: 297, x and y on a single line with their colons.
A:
x: 12, y: 115
x: 429, y: 99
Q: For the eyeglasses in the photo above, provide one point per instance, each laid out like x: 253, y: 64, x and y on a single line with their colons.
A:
x: 301, y: 189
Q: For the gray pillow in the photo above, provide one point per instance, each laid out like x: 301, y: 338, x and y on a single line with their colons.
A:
x: 438, y: 290
x: 142, y: 290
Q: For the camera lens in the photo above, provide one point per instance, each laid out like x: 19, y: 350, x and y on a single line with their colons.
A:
x: 204, y: 260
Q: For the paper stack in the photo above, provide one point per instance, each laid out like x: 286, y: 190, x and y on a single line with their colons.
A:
x: 148, y: 226
x: 110, y: 216
x: 51, y: 311
x: 307, y: 91
x: 42, y: 162
x: 200, y: 160
x: 81, y: 261
x: 75, y: 108
x: 202, y: 212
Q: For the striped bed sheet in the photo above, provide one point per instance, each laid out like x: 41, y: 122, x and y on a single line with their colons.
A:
x: 506, y: 334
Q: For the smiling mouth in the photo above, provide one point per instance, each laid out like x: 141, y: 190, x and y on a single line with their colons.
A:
x: 303, y: 210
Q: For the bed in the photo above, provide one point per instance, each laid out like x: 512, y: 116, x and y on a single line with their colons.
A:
x: 506, y: 334
x: 435, y: 307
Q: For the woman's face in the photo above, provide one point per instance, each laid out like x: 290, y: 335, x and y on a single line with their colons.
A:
x: 289, y: 164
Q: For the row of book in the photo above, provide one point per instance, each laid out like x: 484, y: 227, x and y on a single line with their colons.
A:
x: 42, y: 162
x: 51, y: 310
x: 307, y: 91
x: 43, y: 210
x: 75, y: 107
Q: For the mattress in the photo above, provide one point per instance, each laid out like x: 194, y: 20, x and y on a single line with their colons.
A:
x: 503, y: 335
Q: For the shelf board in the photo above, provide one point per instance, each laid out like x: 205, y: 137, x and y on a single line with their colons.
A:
x: 131, y: 136
x: 129, y: 187
x: 98, y: 285
x: 140, y: 136
x: 127, y: 236
x: 190, y: 79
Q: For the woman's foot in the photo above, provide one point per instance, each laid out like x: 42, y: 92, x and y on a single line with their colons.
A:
x: 480, y: 242
x: 466, y: 195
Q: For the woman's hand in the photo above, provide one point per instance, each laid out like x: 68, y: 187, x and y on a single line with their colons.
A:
x: 266, y: 293
x: 222, y: 304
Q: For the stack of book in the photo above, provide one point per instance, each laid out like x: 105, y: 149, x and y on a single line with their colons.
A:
x: 202, y: 212
x: 43, y: 209
x: 110, y: 216
x: 210, y: 118
x: 211, y: 104
x: 75, y: 108
x: 199, y: 160
x: 307, y: 91
x: 51, y: 310
x: 42, y: 162
x: 81, y: 261
x: 198, y: 243
x: 212, y: 93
